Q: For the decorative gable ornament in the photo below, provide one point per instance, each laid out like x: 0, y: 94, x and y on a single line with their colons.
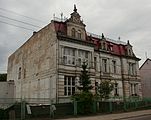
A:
x: 75, y: 17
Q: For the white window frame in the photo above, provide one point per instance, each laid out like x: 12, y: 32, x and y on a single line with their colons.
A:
x: 114, y: 66
x: 69, y: 57
x: 69, y: 85
x: 104, y: 65
x: 83, y: 56
x: 134, y: 88
x: 131, y: 68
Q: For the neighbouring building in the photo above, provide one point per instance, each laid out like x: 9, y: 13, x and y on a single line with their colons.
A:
x: 6, y: 94
x: 145, y: 73
x: 48, y: 64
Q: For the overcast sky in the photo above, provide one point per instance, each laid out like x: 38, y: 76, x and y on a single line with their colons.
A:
x: 129, y: 19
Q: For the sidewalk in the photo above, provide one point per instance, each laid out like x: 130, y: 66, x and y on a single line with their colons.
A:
x: 113, y: 116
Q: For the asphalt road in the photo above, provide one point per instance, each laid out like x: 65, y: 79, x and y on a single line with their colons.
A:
x: 146, y: 117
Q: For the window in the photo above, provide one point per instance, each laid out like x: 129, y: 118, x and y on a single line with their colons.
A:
x: 111, y: 47
x: 69, y: 56
x: 69, y: 85
x: 134, y: 89
x: 114, y: 66
x: 116, y: 89
x: 79, y: 34
x: 104, y: 65
x: 73, y: 32
x: 82, y: 57
x: 104, y: 46
x: 131, y: 68
x: 19, y: 73
x: 95, y: 63
x: 24, y: 73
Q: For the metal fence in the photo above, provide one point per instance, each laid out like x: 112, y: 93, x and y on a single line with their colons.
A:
x: 19, y: 109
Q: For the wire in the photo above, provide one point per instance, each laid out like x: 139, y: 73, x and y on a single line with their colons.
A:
x: 16, y: 26
x: 19, y: 21
x: 21, y: 15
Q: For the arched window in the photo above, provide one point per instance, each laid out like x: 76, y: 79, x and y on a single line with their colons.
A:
x: 73, y: 32
x: 79, y: 34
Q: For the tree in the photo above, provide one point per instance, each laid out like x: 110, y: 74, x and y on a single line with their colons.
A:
x: 85, y: 97
x: 85, y: 82
x: 104, y: 89
x: 3, y: 77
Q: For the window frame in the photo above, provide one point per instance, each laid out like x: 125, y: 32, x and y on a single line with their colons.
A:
x: 69, y: 58
x: 104, y: 65
x: 73, y: 32
x: 116, y: 89
x: 114, y: 66
x: 19, y: 73
x: 69, y: 85
x: 79, y: 35
x: 83, y: 56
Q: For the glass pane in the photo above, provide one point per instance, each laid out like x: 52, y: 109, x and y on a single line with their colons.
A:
x: 65, y: 80
x: 86, y: 54
x: 69, y: 91
x: 65, y: 90
x: 79, y: 53
x: 66, y: 51
x: 65, y: 59
x: 73, y: 90
x: 69, y: 80
x: 79, y: 61
x: 73, y: 61
x: 73, y: 81
x: 69, y: 60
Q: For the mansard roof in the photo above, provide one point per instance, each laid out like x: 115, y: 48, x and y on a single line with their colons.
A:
x: 118, y: 47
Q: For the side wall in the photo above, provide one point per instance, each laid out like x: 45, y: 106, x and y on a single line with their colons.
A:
x: 33, y: 66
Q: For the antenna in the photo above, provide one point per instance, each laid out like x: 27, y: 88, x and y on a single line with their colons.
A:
x: 119, y: 38
x: 146, y: 55
x: 54, y: 16
x: 61, y: 16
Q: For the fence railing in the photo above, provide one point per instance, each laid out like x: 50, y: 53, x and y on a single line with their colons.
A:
x: 21, y: 109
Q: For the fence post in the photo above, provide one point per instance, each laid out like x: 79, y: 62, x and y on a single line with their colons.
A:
x: 94, y: 107
x: 136, y: 104
x: 110, y: 106
x: 125, y: 106
x: 23, y: 110
x: 75, y: 107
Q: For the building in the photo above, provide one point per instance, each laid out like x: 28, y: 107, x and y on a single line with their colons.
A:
x: 145, y: 73
x: 48, y: 64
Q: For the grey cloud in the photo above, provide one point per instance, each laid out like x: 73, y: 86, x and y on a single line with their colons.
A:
x: 129, y: 19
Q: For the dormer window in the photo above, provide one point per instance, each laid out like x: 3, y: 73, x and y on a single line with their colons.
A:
x: 129, y: 49
x: 73, y: 32
x: 79, y: 34
x: 104, y: 46
x: 130, y: 52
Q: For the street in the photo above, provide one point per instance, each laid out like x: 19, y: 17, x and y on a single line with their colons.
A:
x: 146, y: 117
x: 134, y: 115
